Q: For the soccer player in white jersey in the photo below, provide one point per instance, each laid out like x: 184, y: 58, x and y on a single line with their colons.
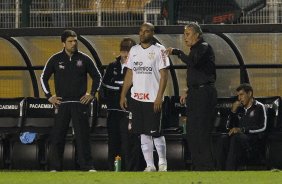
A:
x: 147, y: 73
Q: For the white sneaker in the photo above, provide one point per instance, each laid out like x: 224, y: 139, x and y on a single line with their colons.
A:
x: 53, y: 170
x: 162, y: 168
x: 92, y: 170
x: 150, y: 169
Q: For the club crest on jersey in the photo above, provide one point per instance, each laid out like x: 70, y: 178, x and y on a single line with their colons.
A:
x: 252, y: 114
x: 115, y: 72
x: 151, y: 55
x: 61, y: 67
x: 79, y: 63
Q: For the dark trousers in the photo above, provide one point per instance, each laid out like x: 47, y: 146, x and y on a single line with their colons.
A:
x: 136, y: 160
x: 118, y: 133
x: 233, y: 150
x: 201, y: 104
x: 76, y: 112
x: 122, y: 142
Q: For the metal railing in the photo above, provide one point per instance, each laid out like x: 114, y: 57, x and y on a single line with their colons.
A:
x: 82, y: 13
x: 271, y: 14
x: 89, y: 13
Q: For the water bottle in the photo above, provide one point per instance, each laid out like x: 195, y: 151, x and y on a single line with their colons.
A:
x: 117, y: 163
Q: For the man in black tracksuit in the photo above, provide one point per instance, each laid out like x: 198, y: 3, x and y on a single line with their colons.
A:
x: 201, y: 95
x: 70, y: 68
x: 247, y: 120
x: 121, y: 142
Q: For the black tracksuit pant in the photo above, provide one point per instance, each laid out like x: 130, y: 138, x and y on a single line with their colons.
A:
x: 234, y: 150
x: 117, y: 124
x: 201, y: 104
x: 122, y: 142
x: 76, y: 112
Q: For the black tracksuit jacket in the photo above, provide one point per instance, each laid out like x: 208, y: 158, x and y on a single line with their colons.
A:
x: 70, y: 75
x: 200, y: 64
x: 113, y: 82
x: 251, y: 120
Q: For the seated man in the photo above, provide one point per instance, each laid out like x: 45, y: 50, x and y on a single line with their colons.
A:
x: 246, y: 120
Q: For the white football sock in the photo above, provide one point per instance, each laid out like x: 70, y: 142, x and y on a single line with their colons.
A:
x: 161, y: 149
x: 147, y: 149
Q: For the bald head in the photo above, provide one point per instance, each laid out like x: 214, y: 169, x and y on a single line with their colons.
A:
x: 146, y: 34
x: 148, y: 25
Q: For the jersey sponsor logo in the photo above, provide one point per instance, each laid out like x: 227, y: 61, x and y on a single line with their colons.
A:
x: 140, y: 69
x: 79, y: 63
x: 9, y: 107
x: 137, y: 63
x: 141, y: 96
x: 41, y: 106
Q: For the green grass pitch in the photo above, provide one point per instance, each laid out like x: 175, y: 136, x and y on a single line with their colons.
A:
x: 189, y: 177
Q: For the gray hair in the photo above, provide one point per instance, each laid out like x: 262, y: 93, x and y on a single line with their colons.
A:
x: 196, y: 28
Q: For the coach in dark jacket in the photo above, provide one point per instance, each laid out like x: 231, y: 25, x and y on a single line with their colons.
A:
x: 201, y: 95
x: 70, y: 68
x: 246, y: 121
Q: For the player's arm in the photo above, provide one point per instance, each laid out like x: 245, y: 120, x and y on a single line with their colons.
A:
x: 126, y: 85
x: 162, y: 86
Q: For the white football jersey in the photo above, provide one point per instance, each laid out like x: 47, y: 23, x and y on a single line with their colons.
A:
x: 146, y: 65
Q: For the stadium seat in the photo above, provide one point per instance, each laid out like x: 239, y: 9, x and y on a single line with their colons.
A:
x: 172, y: 110
x: 11, y: 113
x: 99, y: 136
x: 177, y: 151
x: 173, y: 125
x: 222, y: 112
x: 39, y: 119
x: 274, y: 134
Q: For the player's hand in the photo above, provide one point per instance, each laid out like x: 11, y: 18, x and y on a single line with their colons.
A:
x: 183, y: 99
x: 234, y: 131
x: 168, y: 51
x: 86, y: 98
x: 123, y: 103
x: 158, y: 105
x: 235, y: 106
x: 55, y: 100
